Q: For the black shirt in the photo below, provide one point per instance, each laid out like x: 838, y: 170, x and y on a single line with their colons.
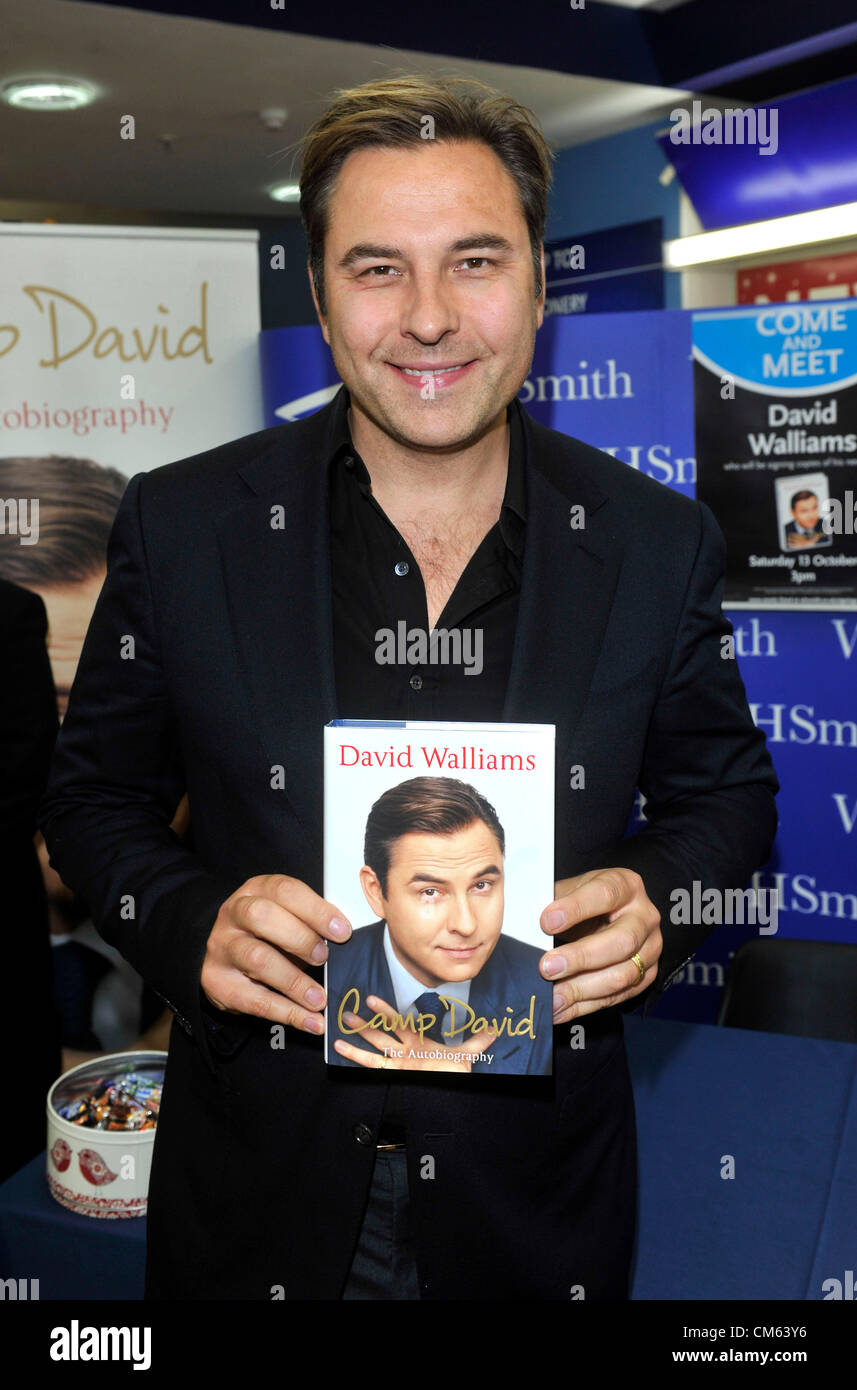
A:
x: 378, y: 589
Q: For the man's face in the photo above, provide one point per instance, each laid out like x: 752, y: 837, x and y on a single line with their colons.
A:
x: 444, y: 902
x: 428, y: 265
x: 806, y: 513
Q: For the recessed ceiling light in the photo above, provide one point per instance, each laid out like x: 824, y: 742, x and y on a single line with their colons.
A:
x: 285, y: 193
x: 48, y: 93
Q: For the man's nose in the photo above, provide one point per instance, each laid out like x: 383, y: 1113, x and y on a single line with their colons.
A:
x: 460, y: 919
x: 429, y: 311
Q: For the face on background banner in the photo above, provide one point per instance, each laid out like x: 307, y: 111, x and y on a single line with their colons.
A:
x: 66, y: 564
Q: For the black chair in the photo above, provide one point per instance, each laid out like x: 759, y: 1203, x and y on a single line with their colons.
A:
x: 807, y: 988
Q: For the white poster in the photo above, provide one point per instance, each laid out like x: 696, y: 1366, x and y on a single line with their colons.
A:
x: 121, y: 349
x: 127, y: 346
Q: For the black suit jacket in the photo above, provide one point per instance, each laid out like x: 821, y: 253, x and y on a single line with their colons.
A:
x: 264, y: 1155
x: 817, y: 530
x: 510, y: 975
x: 28, y: 728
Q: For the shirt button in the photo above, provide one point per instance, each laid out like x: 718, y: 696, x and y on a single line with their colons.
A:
x: 416, y: 682
x: 363, y: 1134
x: 402, y: 567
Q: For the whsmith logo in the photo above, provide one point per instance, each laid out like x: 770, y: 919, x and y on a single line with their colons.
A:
x: 596, y: 384
x: 702, y: 972
x: 797, y: 724
x: 847, y: 644
x: 655, y: 461
x: 799, y: 893
x: 754, y: 640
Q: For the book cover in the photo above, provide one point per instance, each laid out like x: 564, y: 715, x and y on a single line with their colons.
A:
x: 438, y: 847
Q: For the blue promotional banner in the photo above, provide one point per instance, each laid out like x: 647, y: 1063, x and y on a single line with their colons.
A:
x: 622, y: 382
x: 625, y: 383
x: 608, y: 271
x: 776, y: 437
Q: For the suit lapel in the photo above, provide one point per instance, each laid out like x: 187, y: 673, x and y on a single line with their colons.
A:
x: 278, y: 592
x: 567, y: 586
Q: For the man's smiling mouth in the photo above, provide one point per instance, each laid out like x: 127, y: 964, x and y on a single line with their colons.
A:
x: 440, y: 376
x: 431, y: 371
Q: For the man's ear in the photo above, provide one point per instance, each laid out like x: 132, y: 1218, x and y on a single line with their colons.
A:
x: 540, y: 302
x: 321, y: 318
x: 372, y: 890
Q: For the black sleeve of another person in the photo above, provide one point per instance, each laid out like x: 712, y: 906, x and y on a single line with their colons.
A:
x: 28, y: 730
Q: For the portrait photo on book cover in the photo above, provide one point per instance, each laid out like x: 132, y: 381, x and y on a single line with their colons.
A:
x: 802, y: 501
x: 442, y: 974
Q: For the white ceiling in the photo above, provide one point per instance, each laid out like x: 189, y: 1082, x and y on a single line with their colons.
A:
x: 202, y: 84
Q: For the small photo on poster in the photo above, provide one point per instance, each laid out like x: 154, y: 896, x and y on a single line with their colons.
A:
x: 801, y: 501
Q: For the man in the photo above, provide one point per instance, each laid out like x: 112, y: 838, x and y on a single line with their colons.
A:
x: 806, y: 527
x: 437, y: 970
x: 253, y: 580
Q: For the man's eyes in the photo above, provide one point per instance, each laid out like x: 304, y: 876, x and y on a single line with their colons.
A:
x: 378, y: 272
x: 482, y: 884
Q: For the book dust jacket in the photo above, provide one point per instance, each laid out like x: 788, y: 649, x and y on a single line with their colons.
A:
x: 438, y: 847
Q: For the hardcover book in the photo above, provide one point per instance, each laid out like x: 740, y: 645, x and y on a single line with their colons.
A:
x: 439, y: 849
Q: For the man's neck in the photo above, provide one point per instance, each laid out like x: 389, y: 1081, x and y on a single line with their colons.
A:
x: 443, y: 484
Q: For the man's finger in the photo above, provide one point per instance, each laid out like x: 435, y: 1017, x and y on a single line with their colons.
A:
x: 606, y: 946
x: 299, y: 900
x: 266, y: 965
x: 242, y: 996
x: 608, y: 891
x: 359, y: 1055
x: 360, y: 1027
x: 263, y: 918
x: 405, y: 1035
x: 600, y: 988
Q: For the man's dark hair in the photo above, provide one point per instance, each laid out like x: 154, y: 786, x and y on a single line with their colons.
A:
x: 802, y: 496
x: 436, y: 805
x: 393, y: 112
x: 78, y: 501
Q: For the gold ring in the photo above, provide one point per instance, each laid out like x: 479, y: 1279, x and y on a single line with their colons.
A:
x: 640, y: 966
x: 382, y: 1062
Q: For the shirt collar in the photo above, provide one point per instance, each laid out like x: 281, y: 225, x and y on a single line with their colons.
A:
x: 407, y: 990
x: 513, y: 511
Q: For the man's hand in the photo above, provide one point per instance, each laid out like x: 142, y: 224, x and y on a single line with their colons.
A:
x: 252, y: 959
x: 409, y: 1041
x: 605, y: 918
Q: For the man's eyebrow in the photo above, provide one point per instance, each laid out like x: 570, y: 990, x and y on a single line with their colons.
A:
x: 490, y: 241
x: 424, y: 877
x: 372, y: 251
